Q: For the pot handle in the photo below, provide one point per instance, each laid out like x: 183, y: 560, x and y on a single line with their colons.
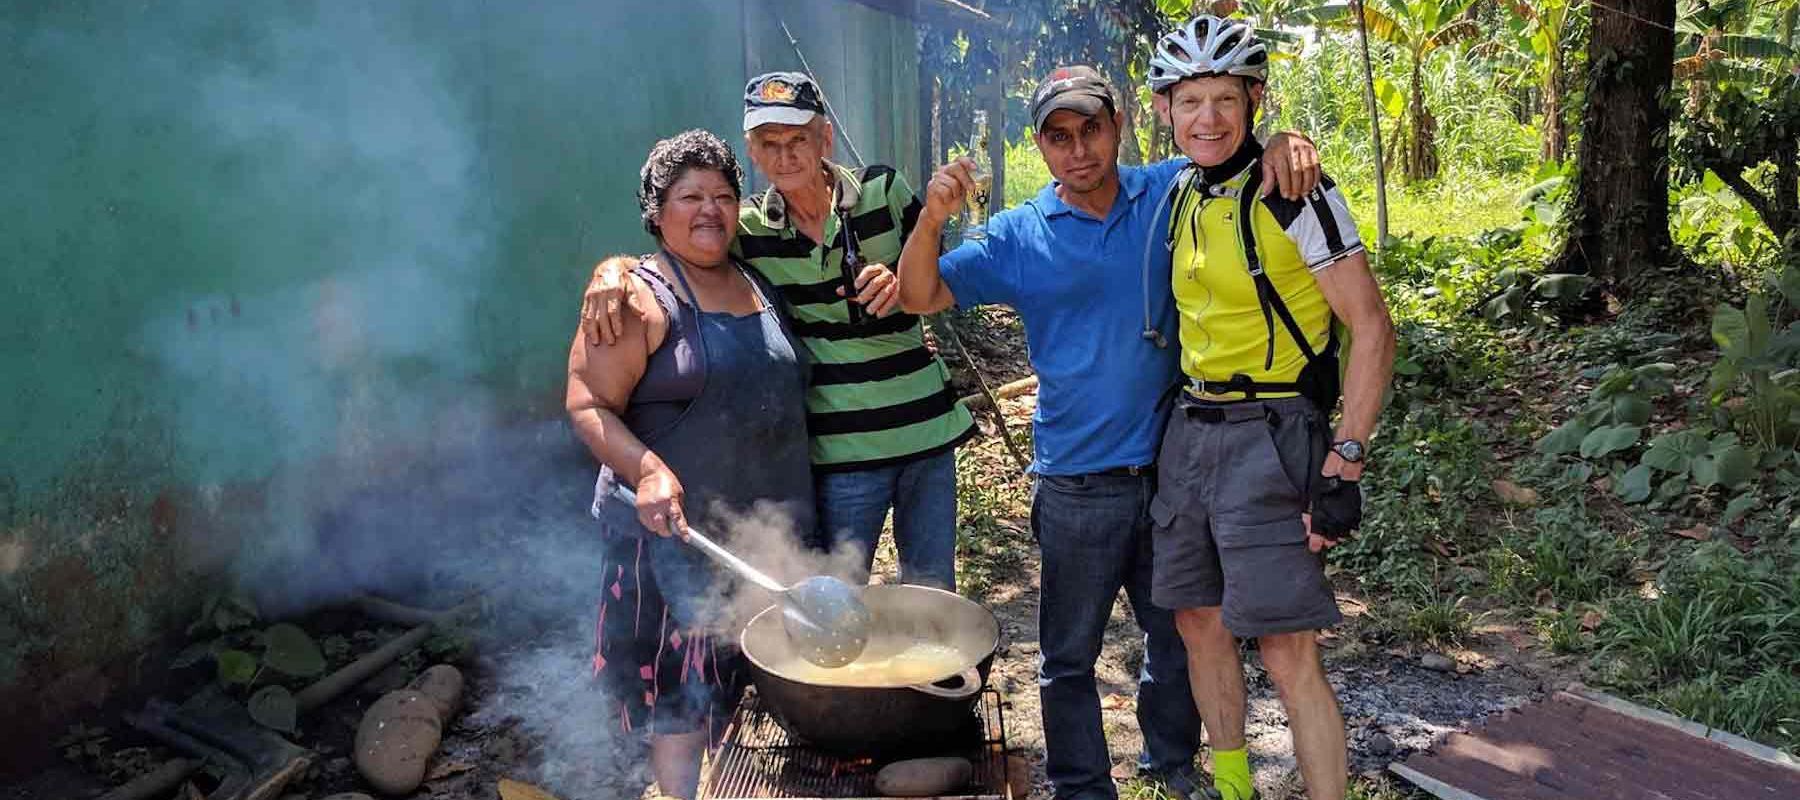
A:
x: 968, y: 683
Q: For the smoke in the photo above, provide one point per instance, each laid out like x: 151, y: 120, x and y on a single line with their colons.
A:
x: 313, y: 326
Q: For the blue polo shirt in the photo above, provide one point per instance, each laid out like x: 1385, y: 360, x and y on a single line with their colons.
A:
x: 1078, y: 284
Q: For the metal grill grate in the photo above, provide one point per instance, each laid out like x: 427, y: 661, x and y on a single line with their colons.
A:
x: 758, y: 760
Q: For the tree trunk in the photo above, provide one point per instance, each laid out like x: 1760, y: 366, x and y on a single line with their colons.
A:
x: 1362, y: 36
x: 1556, y: 130
x: 1129, y: 152
x: 1620, y: 214
x: 1421, y: 161
x: 1787, y: 199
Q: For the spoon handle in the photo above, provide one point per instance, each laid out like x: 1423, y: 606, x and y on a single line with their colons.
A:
x: 711, y: 548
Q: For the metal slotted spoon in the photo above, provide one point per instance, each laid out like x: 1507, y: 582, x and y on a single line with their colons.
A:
x: 825, y: 618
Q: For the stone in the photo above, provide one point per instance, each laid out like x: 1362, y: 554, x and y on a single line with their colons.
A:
x: 396, y: 740
x: 1380, y: 744
x: 1438, y: 662
x: 444, y: 685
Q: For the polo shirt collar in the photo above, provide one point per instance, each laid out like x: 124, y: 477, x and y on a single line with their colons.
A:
x: 846, y: 191
x: 1132, y: 185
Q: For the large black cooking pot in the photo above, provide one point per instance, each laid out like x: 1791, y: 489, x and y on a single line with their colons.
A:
x: 886, y: 719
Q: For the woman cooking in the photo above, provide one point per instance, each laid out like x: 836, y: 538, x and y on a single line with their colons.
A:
x: 700, y: 408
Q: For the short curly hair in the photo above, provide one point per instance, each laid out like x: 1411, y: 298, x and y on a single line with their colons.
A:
x: 671, y: 158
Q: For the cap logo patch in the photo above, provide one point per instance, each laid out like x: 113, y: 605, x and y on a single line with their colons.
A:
x: 778, y: 92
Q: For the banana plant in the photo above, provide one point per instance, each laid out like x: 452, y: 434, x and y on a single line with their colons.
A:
x: 1420, y: 28
x: 1546, y: 33
x: 1742, y: 111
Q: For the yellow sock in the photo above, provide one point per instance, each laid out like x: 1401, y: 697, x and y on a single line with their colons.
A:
x: 1231, y: 774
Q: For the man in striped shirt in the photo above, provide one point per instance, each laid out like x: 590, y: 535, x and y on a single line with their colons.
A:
x: 883, y: 419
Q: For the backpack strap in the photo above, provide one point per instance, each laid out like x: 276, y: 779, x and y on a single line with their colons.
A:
x: 1266, y: 295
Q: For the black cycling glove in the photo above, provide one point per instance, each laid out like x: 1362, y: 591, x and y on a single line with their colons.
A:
x: 1336, y: 508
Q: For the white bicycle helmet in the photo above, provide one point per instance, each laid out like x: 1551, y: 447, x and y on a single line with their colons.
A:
x: 1208, y: 46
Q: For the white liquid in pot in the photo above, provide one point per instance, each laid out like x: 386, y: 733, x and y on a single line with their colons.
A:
x: 895, y: 664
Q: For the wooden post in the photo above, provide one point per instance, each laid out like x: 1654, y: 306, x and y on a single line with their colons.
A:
x: 928, y: 131
x: 995, y: 102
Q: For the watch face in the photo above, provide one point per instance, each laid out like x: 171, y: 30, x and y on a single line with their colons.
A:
x: 1350, y: 449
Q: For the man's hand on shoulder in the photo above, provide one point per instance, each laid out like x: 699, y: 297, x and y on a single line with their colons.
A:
x: 1290, y: 165
x: 608, y: 294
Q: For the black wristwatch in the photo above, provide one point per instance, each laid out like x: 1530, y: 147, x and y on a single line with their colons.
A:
x: 1348, y: 449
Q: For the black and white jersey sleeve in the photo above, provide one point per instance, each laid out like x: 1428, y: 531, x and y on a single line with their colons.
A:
x: 1319, y: 223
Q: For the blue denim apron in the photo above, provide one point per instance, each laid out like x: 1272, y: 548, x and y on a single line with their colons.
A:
x: 740, y: 446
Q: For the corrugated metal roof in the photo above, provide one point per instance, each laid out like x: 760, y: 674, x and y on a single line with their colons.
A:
x: 1596, y: 748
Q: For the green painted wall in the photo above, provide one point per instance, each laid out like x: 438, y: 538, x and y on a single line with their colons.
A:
x: 255, y: 253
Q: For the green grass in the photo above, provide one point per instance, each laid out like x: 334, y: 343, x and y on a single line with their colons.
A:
x: 1456, y: 205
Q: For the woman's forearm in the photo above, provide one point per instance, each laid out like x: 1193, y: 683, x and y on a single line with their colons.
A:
x: 613, y: 443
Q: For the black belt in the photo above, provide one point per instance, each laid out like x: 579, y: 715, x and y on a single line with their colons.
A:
x: 1128, y: 472
x: 1239, y: 384
x: 1241, y: 411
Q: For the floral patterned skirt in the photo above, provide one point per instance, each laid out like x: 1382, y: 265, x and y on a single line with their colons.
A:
x: 669, y: 677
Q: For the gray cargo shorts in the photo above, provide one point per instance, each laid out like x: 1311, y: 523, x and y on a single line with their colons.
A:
x: 1232, y: 482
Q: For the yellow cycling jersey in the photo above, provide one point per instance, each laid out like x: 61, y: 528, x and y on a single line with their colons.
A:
x: 1223, y: 330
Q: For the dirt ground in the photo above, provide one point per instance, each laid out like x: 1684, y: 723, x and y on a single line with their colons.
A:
x: 532, y: 714
x: 1392, y: 703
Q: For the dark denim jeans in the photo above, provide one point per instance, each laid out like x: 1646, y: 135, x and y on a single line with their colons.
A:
x: 1094, y: 533
x: 922, y: 492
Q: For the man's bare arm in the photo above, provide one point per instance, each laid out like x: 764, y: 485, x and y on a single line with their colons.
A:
x: 922, y: 287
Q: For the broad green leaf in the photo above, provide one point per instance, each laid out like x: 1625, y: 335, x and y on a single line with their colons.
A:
x: 1393, y: 101
x: 287, y: 648
x: 1731, y: 331
x: 1675, y: 452
x: 1562, y: 286
x: 1721, y: 443
x: 1504, y: 305
x: 1706, y: 471
x: 1735, y: 466
x: 1630, y: 409
x: 1724, y: 375
x: 1790, y: 284
x: 1635, y: 486
x: 1615, y: 380
x: 236, y: 667
x: 1738, y: 507
x: 273, y: 707
x: 1671, y: 488
x: 193, y: 654
x: 1406, y: 366
x: 1661, y: 370
x: 1595, y: 414
x: 1565, y: 439
x: 1609, y: 439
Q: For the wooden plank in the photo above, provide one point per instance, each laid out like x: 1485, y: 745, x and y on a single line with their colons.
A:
x: 1437, y: 788
x: 1755, y: 750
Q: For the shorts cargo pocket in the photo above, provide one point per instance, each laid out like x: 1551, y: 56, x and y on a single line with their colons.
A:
x: 1273, y: 584
x: 1162, y: 515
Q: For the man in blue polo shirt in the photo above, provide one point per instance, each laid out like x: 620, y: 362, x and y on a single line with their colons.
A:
x: 1071, y: 262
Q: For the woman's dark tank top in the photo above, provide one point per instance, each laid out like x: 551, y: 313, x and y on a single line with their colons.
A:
x: 675, y: 372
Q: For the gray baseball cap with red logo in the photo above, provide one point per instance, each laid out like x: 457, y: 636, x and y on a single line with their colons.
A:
x: 783, y: 98
x: 1082, y: 90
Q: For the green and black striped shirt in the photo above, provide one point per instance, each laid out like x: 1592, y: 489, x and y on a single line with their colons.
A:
x: 878, y: 396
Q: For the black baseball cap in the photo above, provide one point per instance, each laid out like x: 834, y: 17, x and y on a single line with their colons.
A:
x: 786, y: 98
x: 1079, y: 89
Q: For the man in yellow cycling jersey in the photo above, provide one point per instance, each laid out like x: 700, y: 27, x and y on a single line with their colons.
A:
x: 1253, y: 481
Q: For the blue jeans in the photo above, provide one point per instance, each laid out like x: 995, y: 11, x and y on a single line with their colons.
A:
x: 1094, y: 533
x: 922, y: 493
